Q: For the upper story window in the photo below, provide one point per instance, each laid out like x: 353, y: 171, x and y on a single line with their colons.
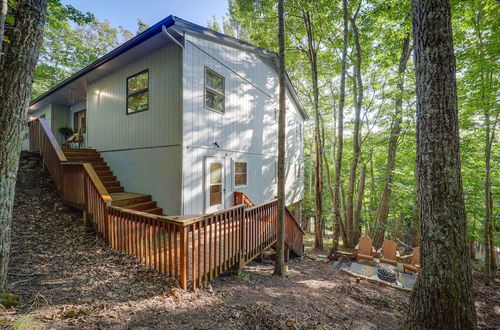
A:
x: 138, y: 92
x: 214, y: 91
x: 240, y: 174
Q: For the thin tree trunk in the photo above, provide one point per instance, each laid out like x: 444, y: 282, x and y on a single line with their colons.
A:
x: 340, y: 133
x: 311, y: 160
x: 383, y: 208
x: 490, y: 254
x: 442, y: 298
x: 3, y: 15
x: 359, y: 205
x: 356, y: 146
x: 17, y: 66
x: 313, y: 61
x: 372, y: 198
x: 279, y: 265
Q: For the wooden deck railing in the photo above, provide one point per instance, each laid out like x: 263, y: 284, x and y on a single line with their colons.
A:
x: 193, y: 249
x: 294, y: 233
x: 44, y: 141
x: 259, y: 229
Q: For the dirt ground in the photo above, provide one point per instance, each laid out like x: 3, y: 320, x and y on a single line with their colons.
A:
x: 65, y: 277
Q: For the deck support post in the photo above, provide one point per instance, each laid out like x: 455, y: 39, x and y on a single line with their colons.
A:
x: 86, y: 215
x: 184, y: 240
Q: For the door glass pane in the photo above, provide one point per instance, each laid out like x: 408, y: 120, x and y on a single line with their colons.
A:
x: 215, y: 173
x: 215, y: 194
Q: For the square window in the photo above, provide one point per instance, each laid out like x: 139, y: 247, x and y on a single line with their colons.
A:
x: 240, y: 174
x: 138, y: 92
x: 214, y: 91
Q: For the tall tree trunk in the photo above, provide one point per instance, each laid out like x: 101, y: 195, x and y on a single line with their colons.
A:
x: 279, y: 265
x: 383, y: 208
x: 313, y: 61
x: 340, y: 133
x: 359, y: 205
x: 490, y: 253
x: 373, y: 203
x: 17, y: 66
x: 356, y: 146
x: 442, y: 298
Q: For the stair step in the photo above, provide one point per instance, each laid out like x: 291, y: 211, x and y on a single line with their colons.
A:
x: 103, y: 168
x: 104, y: 172
x: 115, y: 189
x: 86, y: 160
x: 156, y: 210
x: 98, y: 164
x: 111, y: 184
x: 106, y: 178
x: 78, y: 150
x: 82, y: 155
x: 142, y: 206
x: 124, y: 199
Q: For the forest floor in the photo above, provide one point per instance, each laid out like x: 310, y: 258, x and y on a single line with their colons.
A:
x: 65, y: 277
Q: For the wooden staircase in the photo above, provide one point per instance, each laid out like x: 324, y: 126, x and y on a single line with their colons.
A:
x: 128, y: 200
x: 292, y: 227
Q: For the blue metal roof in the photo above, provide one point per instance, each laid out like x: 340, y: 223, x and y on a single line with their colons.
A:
x: 157, y: 28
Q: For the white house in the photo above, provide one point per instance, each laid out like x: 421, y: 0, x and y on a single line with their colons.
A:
x: 185, y: 114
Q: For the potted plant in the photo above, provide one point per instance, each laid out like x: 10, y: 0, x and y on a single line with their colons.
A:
x: 66, y: 132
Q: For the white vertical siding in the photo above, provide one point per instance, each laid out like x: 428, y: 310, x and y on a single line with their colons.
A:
x: 44, y: 111
x: 108, y: 125
x: 247, y: 131
x: 143, y: 149
x: 60, y: 118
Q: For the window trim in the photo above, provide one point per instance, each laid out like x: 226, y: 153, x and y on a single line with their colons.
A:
x: 234, y: 174
x: 299, y: 129
x: 205, y: 87
x: 127, y: 95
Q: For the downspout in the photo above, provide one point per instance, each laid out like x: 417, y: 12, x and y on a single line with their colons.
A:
x: 164, y: 29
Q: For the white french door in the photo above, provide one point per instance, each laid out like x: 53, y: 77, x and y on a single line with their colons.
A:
x: 214, y: 184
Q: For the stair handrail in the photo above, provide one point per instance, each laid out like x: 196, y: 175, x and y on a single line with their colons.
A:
x: 97, y: 182
x: 295, y: 220
x: 240, y: 196
x: 52, y: 139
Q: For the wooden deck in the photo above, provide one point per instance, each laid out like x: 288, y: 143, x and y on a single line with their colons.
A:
x: 193, y: 249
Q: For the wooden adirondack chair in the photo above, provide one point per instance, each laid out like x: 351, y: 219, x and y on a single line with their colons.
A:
x: 365, y: 248
x: 415, y: 261
x: 389, y: 249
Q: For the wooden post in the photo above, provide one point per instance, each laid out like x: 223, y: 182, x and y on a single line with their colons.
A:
x: 86, y: 219
x: 241, y: 254
x: 184, y: 257
x: 297, y: 211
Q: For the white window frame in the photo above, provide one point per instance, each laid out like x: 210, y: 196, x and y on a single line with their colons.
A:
x: 234, y: 174
x: 205, y: 87
x: 299, y: 133
x: 213, y: 208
